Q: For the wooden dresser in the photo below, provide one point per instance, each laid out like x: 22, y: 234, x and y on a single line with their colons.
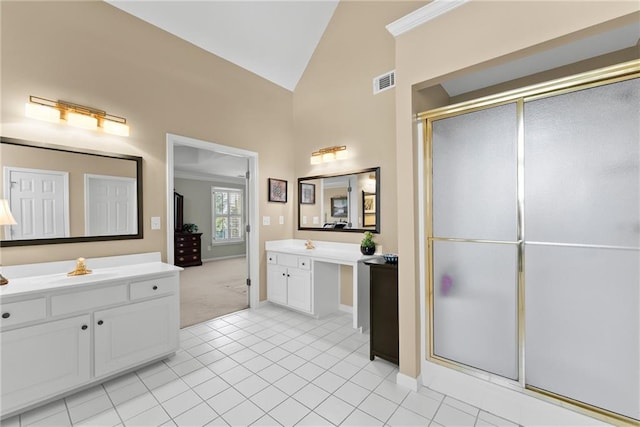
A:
x: 187, y: 249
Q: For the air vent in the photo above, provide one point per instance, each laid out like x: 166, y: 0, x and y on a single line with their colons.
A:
x: 384, y: 82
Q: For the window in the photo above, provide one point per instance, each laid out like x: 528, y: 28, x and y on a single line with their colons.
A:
x: 228, y: 221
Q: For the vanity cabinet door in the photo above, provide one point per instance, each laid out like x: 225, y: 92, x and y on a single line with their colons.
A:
x: 299, y: 289
x: 41, y: 361
x: 135, y: 333
x: 277, y: 284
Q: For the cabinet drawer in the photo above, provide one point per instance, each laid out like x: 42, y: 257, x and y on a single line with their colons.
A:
x: 187, y: 251
x: 304, y: 263
x: 86, y: 300
x: 288, y: 260
x: 15, y: 313
x: 153, y: 287
x: 272, y: 258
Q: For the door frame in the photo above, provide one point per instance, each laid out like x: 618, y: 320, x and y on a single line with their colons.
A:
x: 253, y: 238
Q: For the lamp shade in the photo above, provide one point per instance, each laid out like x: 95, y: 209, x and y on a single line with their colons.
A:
x: 6, y: 218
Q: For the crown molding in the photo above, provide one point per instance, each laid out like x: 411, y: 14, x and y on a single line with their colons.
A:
x: 422, y: 15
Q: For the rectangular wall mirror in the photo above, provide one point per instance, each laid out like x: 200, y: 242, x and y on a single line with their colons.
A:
x: 63, y: 195
x: 340, y: 202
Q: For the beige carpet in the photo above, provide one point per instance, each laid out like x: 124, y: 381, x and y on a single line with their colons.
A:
x: 213, y: 289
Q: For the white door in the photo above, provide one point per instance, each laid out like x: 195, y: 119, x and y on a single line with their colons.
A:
x: 39, y: 202
x: 277, y: 284
x: 110, y: 205
x: 44, y: 360
x: 125, y: 336
x: 299, y: 289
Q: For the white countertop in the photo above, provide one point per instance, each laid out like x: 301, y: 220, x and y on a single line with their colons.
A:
x: 329, y: 251
x: 29, y: 278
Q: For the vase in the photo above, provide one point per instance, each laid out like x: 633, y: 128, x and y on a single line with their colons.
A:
x: 367, y: 250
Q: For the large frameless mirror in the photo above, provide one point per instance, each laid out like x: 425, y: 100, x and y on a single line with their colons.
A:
x: 340, y: 202
x: 62, y: 195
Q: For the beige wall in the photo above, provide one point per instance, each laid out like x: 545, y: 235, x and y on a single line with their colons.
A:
x: 334, y: 104
x: 478, y: 34
x: 94, y: 54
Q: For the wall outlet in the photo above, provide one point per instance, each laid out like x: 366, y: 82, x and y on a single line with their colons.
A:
x: 155, y: 223
x: 266, y: 220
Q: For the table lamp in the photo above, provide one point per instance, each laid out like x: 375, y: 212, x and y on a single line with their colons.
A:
x: 6, y: 218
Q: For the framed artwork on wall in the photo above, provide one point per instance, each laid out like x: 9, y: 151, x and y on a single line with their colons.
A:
x: 339, y: 207
x: 369, y: 209
x: 307, y: 194
x: 277, y: 190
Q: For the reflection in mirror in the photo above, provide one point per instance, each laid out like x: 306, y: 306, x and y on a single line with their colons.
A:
x: 61, y: 195
x: 340, y: 202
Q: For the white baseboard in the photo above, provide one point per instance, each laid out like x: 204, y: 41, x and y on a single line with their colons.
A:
x: 407, y: 381
x: 346, y: 308
x: 223, y: 257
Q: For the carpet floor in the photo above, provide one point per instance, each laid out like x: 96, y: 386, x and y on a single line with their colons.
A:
x: 212, y: 289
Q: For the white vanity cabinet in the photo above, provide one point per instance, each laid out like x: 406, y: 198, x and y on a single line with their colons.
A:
x: 289, y: 281
x: 61, y: 335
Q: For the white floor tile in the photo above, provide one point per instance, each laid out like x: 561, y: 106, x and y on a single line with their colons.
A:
x: 181, y: 403
x: 273, y: 373
x: 452, y: 417
x: 403, y: 417
x: 325, y: 360
x: 352, y: 393
x: 197, y: 416
x: 293, y: 346
x: 231, y: 348
x: 486, y: 419
x: 266, y: 421
x: 276, y: 354
x: 392, y: 391
x: 218, y: 422
x: 108, y: 418
x: 89, y: 408
x: 378, y: 407
x: 290, y: 383
x: 186, y: 367
x: 60, y: 419
x: 257, y: 364
x: 235, y: 375
x: 380, y: 367
x: 151, y: 417
x: 128, y: 392
x: 199, y: 349
x: 162, y: 377
x: 211, y: 387
x: 262, y: 347
x: 169, y: 390
x: 361, y: 419
x: 244, y: 414
x: 222, y: 365
x: 41, y: 412
x: 329, y: 381
x: 226, y: 400
x: 344, y: 369
x: 367, y: 380
x: 292, y: 362
x: 464, y: 407
x: 132, y: 407
x: 211, y: 357
x: 85, y: 395
x: 251, y: 385
x: 310, y: 395
x: 198, y: 377
x: 421, y: 404
x: 334, y: 409
x: 244, y: 355
x: 309, y: 371
x: 313, y: 420
x: 269, y: 398
x: 289, y: 412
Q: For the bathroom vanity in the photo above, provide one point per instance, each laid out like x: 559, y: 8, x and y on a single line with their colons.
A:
x: 59, y: 333
x: 308, y: 280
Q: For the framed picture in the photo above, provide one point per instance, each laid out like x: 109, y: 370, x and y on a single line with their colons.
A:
x: 368, y: 209
x: 277, y: 190
x: 339, y: 207
x: 307, y: 194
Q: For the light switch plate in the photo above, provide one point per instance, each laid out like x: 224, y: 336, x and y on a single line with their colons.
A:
x: 304, y: 219
x: 316, y: 220
x: 155, y: 223
x: 281, y: 219
x: 266, y: 220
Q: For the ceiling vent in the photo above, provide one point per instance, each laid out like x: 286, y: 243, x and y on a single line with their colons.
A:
x: 384, y: 82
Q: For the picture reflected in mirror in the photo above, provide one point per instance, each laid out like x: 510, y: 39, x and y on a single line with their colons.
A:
x: 340, y: 202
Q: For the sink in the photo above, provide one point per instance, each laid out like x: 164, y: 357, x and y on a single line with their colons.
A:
x: 61, y: 279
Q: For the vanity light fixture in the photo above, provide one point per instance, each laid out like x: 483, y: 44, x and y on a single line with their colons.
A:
x: 75, y: 115
x: 329, y: 154
x: 6, y: 218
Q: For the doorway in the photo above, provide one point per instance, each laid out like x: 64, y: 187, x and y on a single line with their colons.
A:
x: 230, y: 265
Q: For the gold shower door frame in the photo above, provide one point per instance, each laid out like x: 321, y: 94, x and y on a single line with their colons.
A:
x: 612, y: 74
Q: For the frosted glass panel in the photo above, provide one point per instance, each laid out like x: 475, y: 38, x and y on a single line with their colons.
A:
x: 475, y: 305
x: 582, y: 157
x: 474, y: 175
x: 582, y: 325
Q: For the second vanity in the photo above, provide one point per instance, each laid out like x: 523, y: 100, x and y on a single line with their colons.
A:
x: 308, y: 280
x: 59, y: 334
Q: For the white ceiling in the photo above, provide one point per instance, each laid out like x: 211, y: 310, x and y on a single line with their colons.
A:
x: 194, y: 163
x: 273, y: 39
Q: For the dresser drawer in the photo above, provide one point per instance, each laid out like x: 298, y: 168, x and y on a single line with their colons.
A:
x: 288, y: 260
x: 87, y: 300
x: 187, y: 258
x: 186, y: 238
x: 304, y: 263
x: 14, y: 313
x: 272, y: 258
x: 153, y: 287
x: 187, y: 251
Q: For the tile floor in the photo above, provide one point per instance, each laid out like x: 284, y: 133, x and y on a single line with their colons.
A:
x: 262, y: 367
